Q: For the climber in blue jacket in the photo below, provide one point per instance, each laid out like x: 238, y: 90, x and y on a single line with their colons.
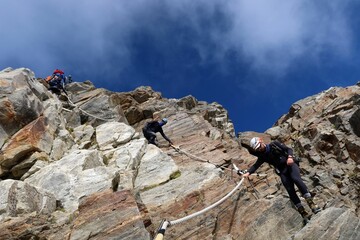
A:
x: 151, y: 128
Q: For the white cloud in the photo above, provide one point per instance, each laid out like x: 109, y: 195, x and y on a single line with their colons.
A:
x: 272, y: 33
x: 269, y: 33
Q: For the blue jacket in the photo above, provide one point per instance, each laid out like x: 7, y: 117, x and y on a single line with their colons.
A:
x: 154, y: 126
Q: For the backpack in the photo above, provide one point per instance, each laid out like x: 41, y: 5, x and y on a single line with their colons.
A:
x: 56, y: 81
x: 48, y: 78
x: 275, y: 149
x: 152, y: 126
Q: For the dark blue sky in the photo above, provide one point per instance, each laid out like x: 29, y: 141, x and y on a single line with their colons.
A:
x: 255, y: 58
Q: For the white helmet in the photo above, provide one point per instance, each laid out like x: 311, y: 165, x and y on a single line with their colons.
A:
x: 163, y: 121
x: 255, y: 143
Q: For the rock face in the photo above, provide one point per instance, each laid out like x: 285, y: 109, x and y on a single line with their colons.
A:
x: 78, y: 166
x: 323, y: 130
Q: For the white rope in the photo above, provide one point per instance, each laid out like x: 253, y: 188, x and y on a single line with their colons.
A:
x: 89, y: 114
x: 197, y: 158
x: 190, y: 155
x: 67, y: 110
x: 207, y: 161
x: 208, y: 208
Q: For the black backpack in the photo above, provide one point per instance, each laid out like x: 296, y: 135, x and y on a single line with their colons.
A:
x: 276, y: 150
x: 151, y: 125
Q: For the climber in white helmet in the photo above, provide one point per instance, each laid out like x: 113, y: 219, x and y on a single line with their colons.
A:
x: 287, y: 167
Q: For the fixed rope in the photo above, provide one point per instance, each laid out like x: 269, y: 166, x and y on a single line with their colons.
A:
x: 237, y: 170
x: 190, y: 155
x: 208, y: 208
x: 165, y: 223
x: 85, y: 112
x: 198, y: 158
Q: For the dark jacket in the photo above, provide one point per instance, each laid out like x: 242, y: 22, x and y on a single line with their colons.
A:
x: 276, y: 154
x: 57, y: 83
x: 154, y: 126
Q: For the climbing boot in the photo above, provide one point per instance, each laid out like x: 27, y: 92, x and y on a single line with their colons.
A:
x: 312, y: 205
x: 304, y: 214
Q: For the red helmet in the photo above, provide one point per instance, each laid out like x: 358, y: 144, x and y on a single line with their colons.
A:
x: 58, y: 71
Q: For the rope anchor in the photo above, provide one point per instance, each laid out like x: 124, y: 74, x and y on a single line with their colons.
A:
x: 161, y: 231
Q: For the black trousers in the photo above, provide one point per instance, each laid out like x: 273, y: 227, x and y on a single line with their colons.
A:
x: 150, y: 136
x: 290, y: 176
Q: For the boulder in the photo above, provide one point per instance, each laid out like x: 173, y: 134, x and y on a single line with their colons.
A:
x: 112, y: 134
x: 73, y: 177
x: 19, y: 104
x: 109, y: 215
x: 19, y: 198
x: 332, y: 223
x: 35, y: 137
x: 154, y: 163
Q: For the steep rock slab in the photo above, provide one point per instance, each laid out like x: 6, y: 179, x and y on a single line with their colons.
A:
x: 63, y: 142
x: 332, y: 223
x: 34, y: 137
x: 155, y: 168
x: 198, y: 186
x: 126, y: 159
x: 190, y: 180
x: 96, y: 105
x: 76, y: 175
x: 19, y: 104
x: 323, y: 130
x: 109, y: 215
x: 112, y: 134
x: 266, y: 219
x: 18, y: 198
x: 31, y: 227
x: 83, y: 135
x: 20, y: 170
x: 128, y: 156
x: 131, y: 103
x: 189, y: 195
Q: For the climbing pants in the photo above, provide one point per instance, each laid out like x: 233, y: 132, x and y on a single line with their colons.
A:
x: 290, y: 176
x: 150, y: 136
